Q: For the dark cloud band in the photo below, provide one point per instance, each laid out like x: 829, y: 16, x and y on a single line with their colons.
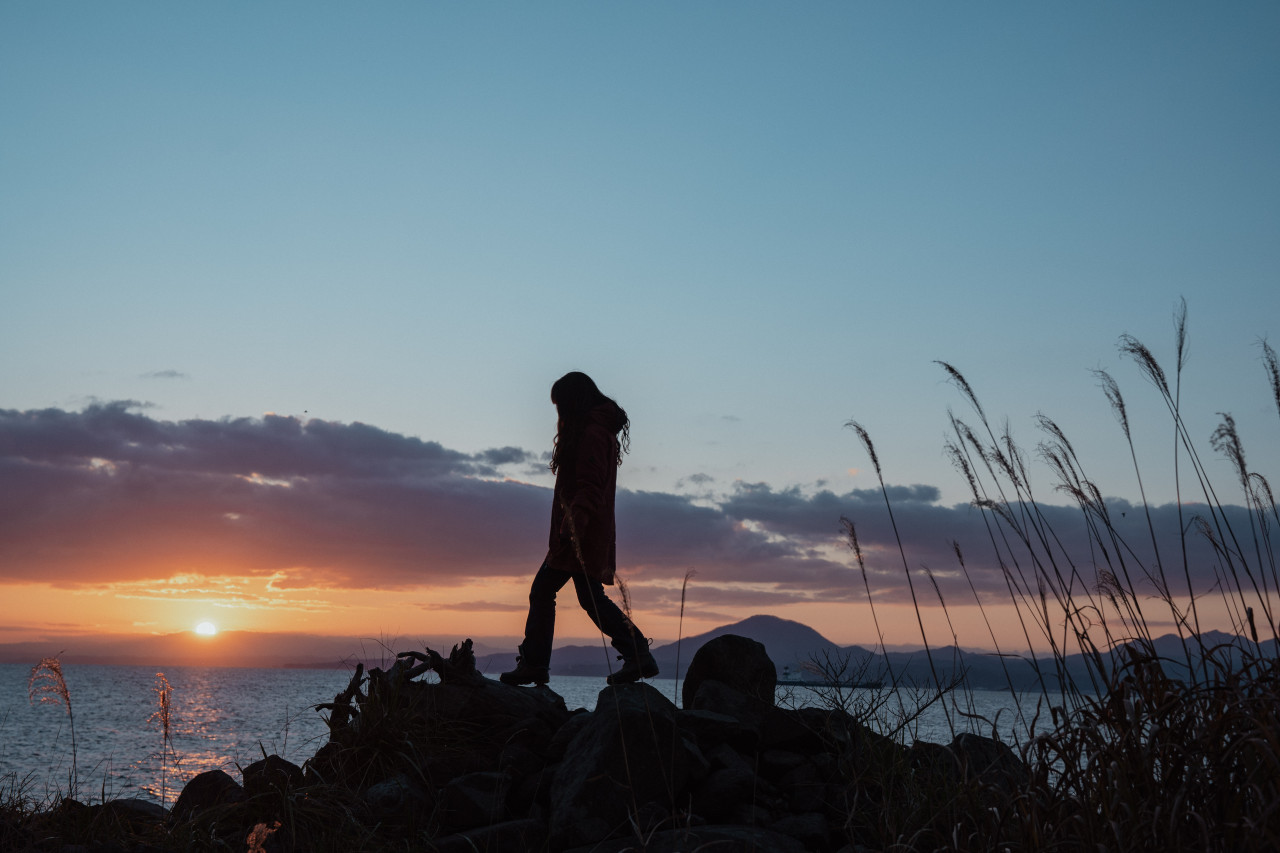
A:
x: 109, y: 494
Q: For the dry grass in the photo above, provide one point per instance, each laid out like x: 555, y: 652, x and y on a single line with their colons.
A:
x: 1145, y: 751
x: 163, y: 717
x: 46, y: 684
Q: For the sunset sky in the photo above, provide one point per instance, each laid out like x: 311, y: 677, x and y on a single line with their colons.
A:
x: 285, y: 287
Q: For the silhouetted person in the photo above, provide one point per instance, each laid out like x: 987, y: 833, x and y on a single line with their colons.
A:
x: 592, y: 433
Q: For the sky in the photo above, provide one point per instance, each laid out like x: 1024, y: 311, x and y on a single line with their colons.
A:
x: 286, y: 285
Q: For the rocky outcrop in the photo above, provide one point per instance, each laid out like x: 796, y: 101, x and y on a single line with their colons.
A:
x: 473, y: 764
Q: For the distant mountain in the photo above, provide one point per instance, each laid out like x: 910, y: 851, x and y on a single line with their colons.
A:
x: 787, y: 643
x: 791, y: 645
x: 797, y: 647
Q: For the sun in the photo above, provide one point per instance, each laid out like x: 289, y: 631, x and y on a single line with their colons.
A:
x: 208, y: 629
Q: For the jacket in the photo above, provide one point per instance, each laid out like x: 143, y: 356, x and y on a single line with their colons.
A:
x: 582, y: 506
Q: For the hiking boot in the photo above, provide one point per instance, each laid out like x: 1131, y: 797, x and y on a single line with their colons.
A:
x: 525, y: 673
x: 635, y: 667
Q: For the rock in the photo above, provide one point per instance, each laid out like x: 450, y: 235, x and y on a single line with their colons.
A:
x: 519, y: 762
x: 709, y: 728
x: 710, y: 837
x: 397, y: 799
x: 809, y: 828
x: 272, y: 773
x: 531, y: 794
x: 627, y: 754
x: 135, y: 813
x: 772, y: 726
x: 504, y: 837
x: 739, y: 662
x: 726, y: 757
x: 473, y: 800
x: 565, y: 735
x: 934, y: 764
x: 776, y: 763
x: 699, y: 765
x: 991, y: 762
x: 718, y: 796
x: 210, y: 788
x: 803, y: 787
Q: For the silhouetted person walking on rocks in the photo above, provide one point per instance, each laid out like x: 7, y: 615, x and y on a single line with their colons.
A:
x: 592, y: 433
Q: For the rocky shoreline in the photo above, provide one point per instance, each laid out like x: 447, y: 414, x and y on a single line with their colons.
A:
x: 466, y: 763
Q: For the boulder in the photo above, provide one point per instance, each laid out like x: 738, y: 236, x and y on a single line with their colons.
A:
x: 272, y: 773
x: 739, y: 662
x: 717, y: 838
x: 709, y: 728
x: 770, y: 725
x: 504, y: 837
x: 210, y: 788
x: 628, y: 754
x: 474, y: 800
x: 397, y: 799
x: 991, y: 762
x: 809, y: 828
x: 137, y: 809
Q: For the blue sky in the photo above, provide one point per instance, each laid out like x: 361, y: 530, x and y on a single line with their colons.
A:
x: 749, y: 222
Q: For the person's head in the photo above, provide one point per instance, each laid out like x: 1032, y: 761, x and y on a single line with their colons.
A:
x: 574, y: 396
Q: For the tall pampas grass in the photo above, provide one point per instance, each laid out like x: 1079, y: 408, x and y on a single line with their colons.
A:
x: 47, y: 684
x: 1148, y: 747
x: 163, y: 717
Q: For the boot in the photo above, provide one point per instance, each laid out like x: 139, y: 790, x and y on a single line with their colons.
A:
x: 525, y: 673
x: 637, y: 663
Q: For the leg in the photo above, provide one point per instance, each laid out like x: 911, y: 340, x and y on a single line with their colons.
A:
x: 606, y: 615
x: 540, y: 626
x: 622, y: 632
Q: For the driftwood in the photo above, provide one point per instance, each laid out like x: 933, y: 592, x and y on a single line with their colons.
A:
x: 340, y: 709
x: 458, y: 668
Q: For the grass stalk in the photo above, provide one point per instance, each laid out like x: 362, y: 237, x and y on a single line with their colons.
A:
x: 163, y: 717
x: 47, y: 684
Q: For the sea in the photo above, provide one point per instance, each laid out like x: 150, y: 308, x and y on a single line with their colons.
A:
x: 226, y: 718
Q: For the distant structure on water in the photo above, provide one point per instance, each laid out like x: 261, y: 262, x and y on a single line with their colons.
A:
x: 809, y: 678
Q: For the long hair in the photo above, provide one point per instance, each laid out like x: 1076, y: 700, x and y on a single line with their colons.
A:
x: 574, y: 396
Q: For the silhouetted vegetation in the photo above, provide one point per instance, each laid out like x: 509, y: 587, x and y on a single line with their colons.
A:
x: 1155, y: 746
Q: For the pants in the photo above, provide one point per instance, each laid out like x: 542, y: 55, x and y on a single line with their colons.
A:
x: 539, y: 628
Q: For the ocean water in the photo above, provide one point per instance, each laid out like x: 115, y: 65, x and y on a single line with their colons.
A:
x: 226, y: 718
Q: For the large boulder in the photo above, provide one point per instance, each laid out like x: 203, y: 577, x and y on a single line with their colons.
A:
x: 769, y: 724
x: 628, y: 755
x: 740, y: 662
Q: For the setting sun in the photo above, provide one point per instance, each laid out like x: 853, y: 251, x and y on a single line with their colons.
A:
x: 208, y: 629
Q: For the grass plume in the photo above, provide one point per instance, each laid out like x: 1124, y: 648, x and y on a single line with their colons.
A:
x: 47, y: 684
x: 1146, y: 748
x: 163, y: 717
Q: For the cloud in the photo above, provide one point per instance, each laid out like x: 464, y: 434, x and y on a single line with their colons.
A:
x: 507, y: 456
x: 164, y: 374
x: 698, y: 481
x: 474, y: 606
x: 113, y: 498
